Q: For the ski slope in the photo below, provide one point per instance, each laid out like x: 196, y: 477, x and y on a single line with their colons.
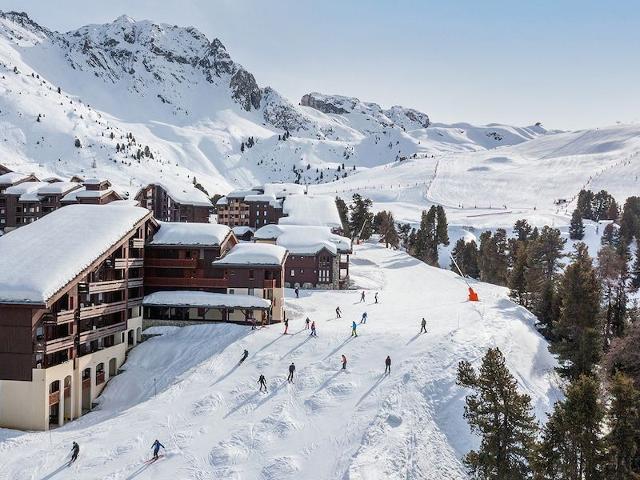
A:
x: 186, y: 389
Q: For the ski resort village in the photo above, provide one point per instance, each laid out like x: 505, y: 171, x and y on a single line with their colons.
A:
x: 204, y: 278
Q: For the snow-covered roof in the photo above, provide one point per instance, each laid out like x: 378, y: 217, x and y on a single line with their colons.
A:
x: 129, y: 202
x: 57, y: 188
x: 178, y: 233
x: 222, y: 201
x: 190, y: 298
x: 73, y: 195
x: 254, y: 254
x: 280, y: 190
x: 241, y: 230
x: 39, y: 259
x: 92, y: 193
x: 53, y: 179
x: 262, y: 197
x: 310, y: 210
x: 185, y: 194
x: 12, y: 177
x: 304, y: 239
x: 28, y: 191
x: 95, y: 181
x: 241, y: 193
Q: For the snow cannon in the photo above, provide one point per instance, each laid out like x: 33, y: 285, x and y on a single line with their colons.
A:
x: 473, y: 296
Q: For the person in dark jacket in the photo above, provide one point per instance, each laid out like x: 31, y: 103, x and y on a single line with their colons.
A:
x: 263, y: 382
x: 244, y: 356
x: 387, y: 365
x: 75, y: 450
x: 423, y: 328
x: 292, y: 368
x: 313, y: 330
x: 286, y: 326
x: 297, y: 290
x: 344, y: 362
x: 306, y: 323
x: 362, y: 297
x: 156, y: 448
x: 338, y: 312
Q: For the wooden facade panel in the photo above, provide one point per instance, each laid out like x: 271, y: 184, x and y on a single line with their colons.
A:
x: 16, y: 366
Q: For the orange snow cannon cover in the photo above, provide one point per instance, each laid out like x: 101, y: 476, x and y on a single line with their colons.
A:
x: 473, y: 296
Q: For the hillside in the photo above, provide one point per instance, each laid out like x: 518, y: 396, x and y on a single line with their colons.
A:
x: 127, y: 85
x: 186, y: 389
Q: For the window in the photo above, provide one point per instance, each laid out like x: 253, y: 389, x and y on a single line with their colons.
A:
x: 293, y: 272
x: 231, y: 291
x: 250, y: 291
x: 251, y: 275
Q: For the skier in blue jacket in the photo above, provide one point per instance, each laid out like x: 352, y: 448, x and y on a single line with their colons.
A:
x: 156, y: 448
x: 354, y: 325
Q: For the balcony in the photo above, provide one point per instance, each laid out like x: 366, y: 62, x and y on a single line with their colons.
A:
x: 171, y: 262
x: 186, y: 282
x: 121, y: 263
x: 108, y: 286
x: 102, y: 309
x: 135, y: 282
x: 137, y: 243
x: 344, y: 265
x: 97, y: 333
x: 65, y: 316
x: 135, y: 302
x: 269, y: 284
x: 48, y: 346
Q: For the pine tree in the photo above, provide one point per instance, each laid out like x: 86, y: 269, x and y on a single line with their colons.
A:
x: 426, y: 246
x: 630, y: 220
x: 572, y: 446
x: 466, y: 256
x: 585, y: 204
x: 517, y: 276
x: 501, y: 415
x: 493, y: 260
x: 635, y: 269
x: 442, y: 228
x: 578, y: 329
x: 361, y: 218
x: 612, y: 270
x: 522, y: 230
x: 623, y: 437
x: 576, y: 227
x: 343, y: 211
x: 387, y: 230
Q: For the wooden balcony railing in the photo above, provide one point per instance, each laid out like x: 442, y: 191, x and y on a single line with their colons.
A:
x: 100, y: 378
x: 57, y: 344
x: 185, y: 282
x: 121, y: 263
x: 102, y: 309
x: 67, y: 391
x: 135, y: 282
x: 65, y: 316
x: 171, y: 262
x: 86, y: 383
x: 91, y: 335
x: 135, y: 302
x: 344, y: 265
x: 137, y: 243
x: 107, y: 286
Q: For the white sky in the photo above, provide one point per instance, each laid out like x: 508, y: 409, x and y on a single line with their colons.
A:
x: 569, y: 64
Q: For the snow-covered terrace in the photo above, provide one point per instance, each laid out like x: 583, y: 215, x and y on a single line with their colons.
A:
x: 303, y: 239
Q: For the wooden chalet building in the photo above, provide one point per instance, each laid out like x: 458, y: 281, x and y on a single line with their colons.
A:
x: 71, y: 290
x: 4, y: 169
x: 317, y: 257
x: 176, y: 204
x: 249, y: 208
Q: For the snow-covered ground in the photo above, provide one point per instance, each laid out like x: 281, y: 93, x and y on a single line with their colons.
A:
x: 186, y: 389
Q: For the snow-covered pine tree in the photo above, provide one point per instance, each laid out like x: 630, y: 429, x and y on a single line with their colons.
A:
x: 576, y: 227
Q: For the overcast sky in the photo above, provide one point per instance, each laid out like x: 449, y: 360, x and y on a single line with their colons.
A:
x: 567, y: 63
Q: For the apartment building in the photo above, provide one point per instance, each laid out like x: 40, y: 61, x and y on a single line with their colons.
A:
x: 317, y: 257
x: 71, y: 290
x: 177, y: 203
x: 248, y: 208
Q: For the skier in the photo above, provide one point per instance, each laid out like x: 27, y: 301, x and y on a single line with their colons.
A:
x: 263, y: 382
x: 313, y: 329
x: 338, y: 312
x: 292, y: 368
x: 253, y: 323
x: 387, y: 365
x: 156, y: 448
x: 297, y: 290
x: 364, y: 318
x: 354, y: 325
x: 362, y: 297
x: 376, y: 297
x: 424, y: 326
x: 245, y: 354
x: 344, y: 362
x: 75, y: 450
x: 306, y: 323
x: 286, y: 326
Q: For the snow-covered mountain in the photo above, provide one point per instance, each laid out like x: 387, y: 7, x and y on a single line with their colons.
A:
x: 123, y: 86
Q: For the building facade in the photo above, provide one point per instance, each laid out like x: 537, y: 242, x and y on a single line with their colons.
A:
x: 176, y: 204
x: 65, y: 330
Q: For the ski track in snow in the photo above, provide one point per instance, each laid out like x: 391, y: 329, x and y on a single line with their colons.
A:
x: 330, y: 424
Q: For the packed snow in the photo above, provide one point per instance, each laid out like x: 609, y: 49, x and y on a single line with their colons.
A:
x: 310, y: 210
x: 187, y: 389
x: 303, y: 239
x: 181, y: 233
x: 38, y: 259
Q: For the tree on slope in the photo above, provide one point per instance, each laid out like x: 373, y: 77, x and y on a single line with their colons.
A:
x: 576, y: 227
x: 501, y: 415
x: 466, y: 256
x: 442, y: 227
x: 635, y: 268
x: 361, y: 219
x: 343, y: 211
x: 493, y: 260
x: 578, y: 328
x: 426, y: 244
x: 517, y: 276
x: 630, y: 220
x: 386, y: 228
x: 572, y: 446
x: 612, y: 270
x: 623, y: 438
